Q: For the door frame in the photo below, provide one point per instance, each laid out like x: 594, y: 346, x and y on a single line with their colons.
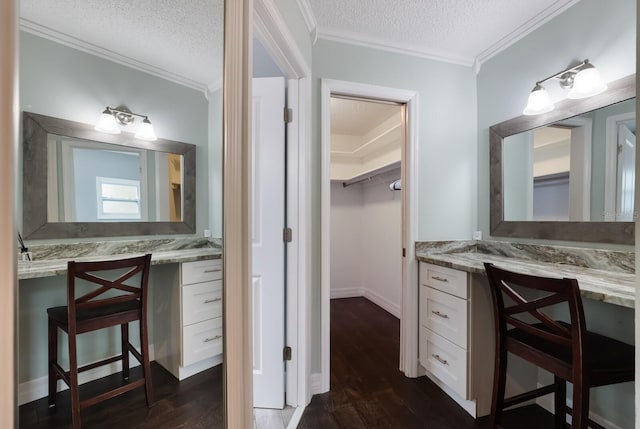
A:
x: 409, y: 305
x: 9, y: 123
x: 270, y: 28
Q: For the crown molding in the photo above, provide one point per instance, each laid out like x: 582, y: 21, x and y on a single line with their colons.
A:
x: 81, y: 45
x: 271, y: 29
x: 527, y: 28
x: 307, y: 14
x: 344, y: 36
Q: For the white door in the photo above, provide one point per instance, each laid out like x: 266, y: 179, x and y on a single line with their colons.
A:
x: 268, y: 218
x: 626, y: 173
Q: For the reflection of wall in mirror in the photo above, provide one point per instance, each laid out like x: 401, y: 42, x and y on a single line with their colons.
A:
x: 517, y: 162
x: 50, y: 87
x: 596, y: 185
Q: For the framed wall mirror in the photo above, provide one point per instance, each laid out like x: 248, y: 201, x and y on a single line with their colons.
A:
x: 568, y: 174
x: 78, y: 182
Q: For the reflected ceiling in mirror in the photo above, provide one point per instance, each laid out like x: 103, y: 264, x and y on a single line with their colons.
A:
x: 82, y: 183
x: 559, y: 176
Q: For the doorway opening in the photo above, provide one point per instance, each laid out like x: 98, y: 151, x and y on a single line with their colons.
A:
x: 366, y: 170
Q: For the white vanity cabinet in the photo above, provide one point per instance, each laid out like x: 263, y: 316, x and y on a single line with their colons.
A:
x: 456, y: 341
x: 192, y: 309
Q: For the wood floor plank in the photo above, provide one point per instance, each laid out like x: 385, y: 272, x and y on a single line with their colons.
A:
x: 367, y: 390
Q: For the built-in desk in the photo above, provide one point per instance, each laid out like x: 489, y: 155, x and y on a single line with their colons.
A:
x: 456, y: 339
x: 183, y: 270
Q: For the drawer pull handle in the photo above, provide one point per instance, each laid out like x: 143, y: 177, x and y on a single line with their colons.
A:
x: 209, y: 301
x: 440, y: 279
x: 437, y: 313
x: 439, y: 359
x: 207, y: 340
x: 212, y: 271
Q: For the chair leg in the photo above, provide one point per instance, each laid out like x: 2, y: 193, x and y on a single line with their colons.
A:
x: 124, y: 328
x: 499, y: 381
x: 53, y: 358
x: 580, y: 412
x: 146, y: 365
x: 560, y: 398
x: 73, y: 379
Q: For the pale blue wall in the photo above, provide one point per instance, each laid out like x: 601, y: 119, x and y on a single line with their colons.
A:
x: 604, y: 32
x: 59, y: 81
x: 446, y: 140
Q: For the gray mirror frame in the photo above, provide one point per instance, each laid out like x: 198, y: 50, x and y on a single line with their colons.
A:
x: 595, y: 232
x: 34, y: 184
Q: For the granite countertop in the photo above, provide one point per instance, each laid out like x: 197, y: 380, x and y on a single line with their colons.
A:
x: 607, y: 276
x: 51, y: 260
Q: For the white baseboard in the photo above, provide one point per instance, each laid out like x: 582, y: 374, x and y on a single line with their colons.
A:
x: 377, y: 299
x: 352, y: 292
x: 380, y: 301
x: 546, y: 402
x: 295, y: 418
x: 468, y: 406
x: 33, y: 390
x: 316, y: 383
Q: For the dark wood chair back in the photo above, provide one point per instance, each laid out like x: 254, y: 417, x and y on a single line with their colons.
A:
x: 523, y: 326
x: 113, y: 292
x: 106, y: 293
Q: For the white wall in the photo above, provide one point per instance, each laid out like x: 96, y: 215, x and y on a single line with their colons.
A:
x: 366, y: 227
x: 346, y: 239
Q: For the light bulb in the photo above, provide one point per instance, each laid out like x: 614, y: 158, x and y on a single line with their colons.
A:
x: 145, y: 131
x: 539, y: 102
x: 587, y: 83
x: 107, y: 123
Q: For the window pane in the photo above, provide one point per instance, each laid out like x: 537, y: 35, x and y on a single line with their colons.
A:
x: 120, y: 192
x: 120, y: 207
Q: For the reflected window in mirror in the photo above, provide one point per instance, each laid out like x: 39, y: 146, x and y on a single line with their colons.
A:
x: 79, y: 182
x: 126, y: 183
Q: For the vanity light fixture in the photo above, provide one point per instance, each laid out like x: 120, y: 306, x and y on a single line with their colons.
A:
x: 111, y: 117
x: 583, y: 80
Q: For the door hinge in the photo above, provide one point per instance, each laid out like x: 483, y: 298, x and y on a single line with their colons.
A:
x: 286, y: 353
x: 288, y: 115
x: 287, y: 235
x: 404, y: 252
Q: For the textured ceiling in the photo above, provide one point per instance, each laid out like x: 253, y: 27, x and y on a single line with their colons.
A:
x: 357, y: 117
x: 180, y: 37
x: 458, y: 31
x: 184, y: 38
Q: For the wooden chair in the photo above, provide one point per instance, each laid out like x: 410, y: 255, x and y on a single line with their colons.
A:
x: 567, y: 350
x: 109, y: 303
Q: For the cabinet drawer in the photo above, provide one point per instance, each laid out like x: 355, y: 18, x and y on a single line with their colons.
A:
x: 201, y: 301
x: 201, y: 271
x: 201, y: 340
x: 445, y: 279
x: 445, y: 360
x: 446, y: 315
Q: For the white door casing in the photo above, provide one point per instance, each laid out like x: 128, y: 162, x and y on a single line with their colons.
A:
x: 409, y: 307
x: 625, y: 174
x: 268, y: 204
x: 611, y: 164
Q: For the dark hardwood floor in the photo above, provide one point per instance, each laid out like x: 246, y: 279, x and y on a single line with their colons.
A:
x: 368, y: 390
x: 194, y: 403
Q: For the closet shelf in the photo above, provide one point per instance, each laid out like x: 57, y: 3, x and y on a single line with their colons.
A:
x: 371, y: 174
